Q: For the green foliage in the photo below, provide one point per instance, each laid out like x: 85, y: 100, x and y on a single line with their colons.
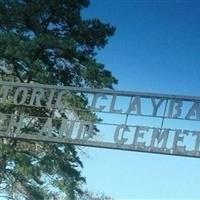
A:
x: 88, y: 195
x: 48, y: 42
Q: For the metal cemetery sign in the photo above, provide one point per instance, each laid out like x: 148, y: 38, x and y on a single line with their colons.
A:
x: 144, y: 122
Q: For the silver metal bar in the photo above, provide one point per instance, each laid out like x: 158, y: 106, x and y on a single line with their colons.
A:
x: 105, y: 145
x: 163, y: 119
x: 83, y: 121
x: 105, y: 91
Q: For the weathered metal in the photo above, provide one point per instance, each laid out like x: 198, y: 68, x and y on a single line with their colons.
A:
x: 126, y: 132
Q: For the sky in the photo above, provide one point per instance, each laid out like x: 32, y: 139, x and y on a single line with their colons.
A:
x: 155, y: 49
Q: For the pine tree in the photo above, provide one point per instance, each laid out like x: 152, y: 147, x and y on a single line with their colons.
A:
x: 48, y: 42
x: 88, y: 195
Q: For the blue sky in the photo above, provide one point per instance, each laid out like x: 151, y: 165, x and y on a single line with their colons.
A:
x: 155, y: 49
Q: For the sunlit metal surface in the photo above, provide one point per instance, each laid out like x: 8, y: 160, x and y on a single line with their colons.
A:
x: 135, y: 121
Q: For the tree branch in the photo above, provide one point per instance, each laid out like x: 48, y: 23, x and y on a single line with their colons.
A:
x: 17, y: 72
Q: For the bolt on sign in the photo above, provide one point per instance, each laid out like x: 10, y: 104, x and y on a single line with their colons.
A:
x: 134, y: 121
